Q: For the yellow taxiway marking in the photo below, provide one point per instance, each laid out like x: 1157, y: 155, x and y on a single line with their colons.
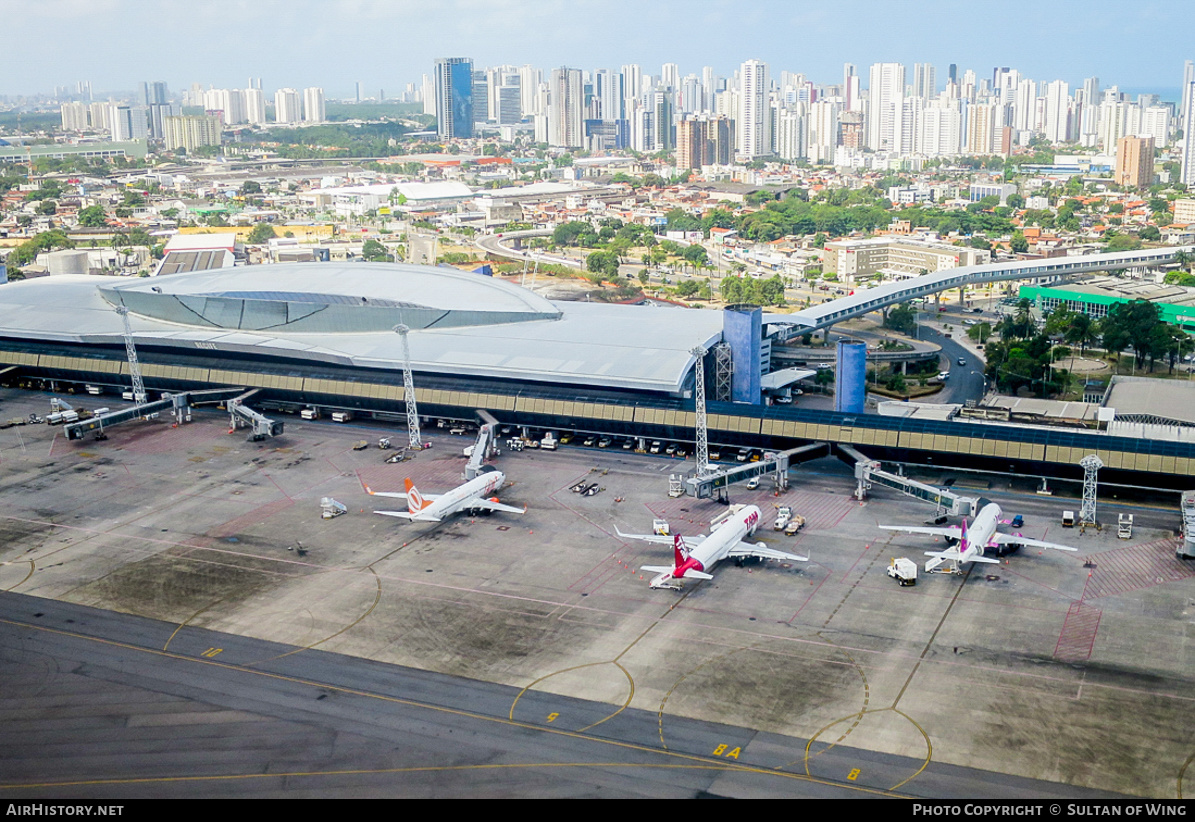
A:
x: 690, y: 760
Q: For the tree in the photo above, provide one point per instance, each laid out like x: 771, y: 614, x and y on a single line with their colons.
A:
x: 902, y: 318
x: 261, y: 233
x: 1082, y: 330
x: 375, y: 252
x: 46, y: 208
x: 1018, y: 243
x: 980, y: 332
x: 93, y: 217
x: 696, y: 255
x: 604, y: 263
x: 250, y: 187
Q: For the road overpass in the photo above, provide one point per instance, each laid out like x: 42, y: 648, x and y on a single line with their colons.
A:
x: 866, y: 300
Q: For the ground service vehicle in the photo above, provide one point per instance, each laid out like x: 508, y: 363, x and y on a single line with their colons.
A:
x: 783, y: 515
x: 903, y: 570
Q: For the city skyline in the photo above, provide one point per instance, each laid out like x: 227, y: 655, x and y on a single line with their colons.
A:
x: 222, y: 43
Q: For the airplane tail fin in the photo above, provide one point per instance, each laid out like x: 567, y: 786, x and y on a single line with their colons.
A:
x: 415, y: 500
x: 679, y: 552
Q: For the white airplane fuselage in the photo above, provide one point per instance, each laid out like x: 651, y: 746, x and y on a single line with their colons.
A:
x: 715, y: 548
x: 463, y: 496
x: 979, y: 535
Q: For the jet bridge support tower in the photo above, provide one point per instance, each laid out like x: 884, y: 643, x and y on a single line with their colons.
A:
x: 415, y: 438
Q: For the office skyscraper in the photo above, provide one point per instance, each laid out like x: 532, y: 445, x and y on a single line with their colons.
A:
x: 1188, y: 101
x: 755, y: 114
x: 566, y: 104
x: 287, y: 106
x: 157, y: 107
x: 1134, y: 162
x: 454, y: 98
x: 885, y: 106
x: 313, y: 105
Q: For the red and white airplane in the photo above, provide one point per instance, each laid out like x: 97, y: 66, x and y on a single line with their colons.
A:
x: 472, y: 496
x: 694, y: 556
x: 972, y: 542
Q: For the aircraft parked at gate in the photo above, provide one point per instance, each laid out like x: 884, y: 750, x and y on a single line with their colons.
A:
x: 472, y: 496
x: 972, y: 542
x: 694, y: 556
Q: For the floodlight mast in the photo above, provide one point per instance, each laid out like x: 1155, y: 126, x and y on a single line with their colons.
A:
x: 139, y: 395
x: 408, y: 383
x: 703, y: 442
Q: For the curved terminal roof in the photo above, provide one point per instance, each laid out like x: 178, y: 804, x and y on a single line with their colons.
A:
x: 462, y: 323
x: 329, y: 298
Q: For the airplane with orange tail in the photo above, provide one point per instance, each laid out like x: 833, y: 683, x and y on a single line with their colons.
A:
x: 474, y: 495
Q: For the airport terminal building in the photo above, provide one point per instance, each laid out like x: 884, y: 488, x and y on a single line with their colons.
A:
x: 323, y: 335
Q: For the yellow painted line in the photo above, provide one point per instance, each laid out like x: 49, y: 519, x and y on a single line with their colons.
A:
x: 630, y: 746
x: 187, y: 621
x: 32, y: 568
x: 376, y: 599
x: 1182, y: 772
x: 379, y: 771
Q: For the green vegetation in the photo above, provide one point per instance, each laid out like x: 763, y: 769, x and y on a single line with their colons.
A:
x: 261, y: 233
x: 1025, y: 357
x: 753, y: 291
x: 902, y: 318
x: 336, y: 140
x: 27, y: 251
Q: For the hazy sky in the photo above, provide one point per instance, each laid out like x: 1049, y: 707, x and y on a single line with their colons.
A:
x: 385, y: 44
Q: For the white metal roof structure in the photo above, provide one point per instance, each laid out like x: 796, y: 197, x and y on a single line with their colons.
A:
x: 461, y: 323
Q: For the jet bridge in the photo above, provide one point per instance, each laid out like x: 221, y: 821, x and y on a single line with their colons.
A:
x: 180, y: 404
x: 705, y: 487
x: 868, y: 473
x: 485, y: 446
x: 242, y: 416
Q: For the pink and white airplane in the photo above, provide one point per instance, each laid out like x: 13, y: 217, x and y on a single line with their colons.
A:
x: 971, y: 543
x: 472, y: 496
x: 694, y: 556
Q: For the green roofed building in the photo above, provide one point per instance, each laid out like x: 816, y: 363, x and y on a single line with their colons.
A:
x: 1176, y: 303
x: 60, y: 151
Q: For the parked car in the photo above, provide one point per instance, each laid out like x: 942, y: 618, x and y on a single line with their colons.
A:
x: 752, y: 483
x: 1017, y: 521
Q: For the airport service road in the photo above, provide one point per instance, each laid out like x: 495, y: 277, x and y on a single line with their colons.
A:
x: 94, y: 708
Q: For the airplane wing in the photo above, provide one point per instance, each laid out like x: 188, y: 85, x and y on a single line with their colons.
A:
x: 399, y: 494
x: 660, y: 539
x: 1013, y: 539
x: 952, y: 531
x: 490, y: 505
x: 417, y: 517
x: 744, y: 549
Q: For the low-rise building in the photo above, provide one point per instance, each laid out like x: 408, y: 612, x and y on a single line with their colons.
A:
x: 896, y: 255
